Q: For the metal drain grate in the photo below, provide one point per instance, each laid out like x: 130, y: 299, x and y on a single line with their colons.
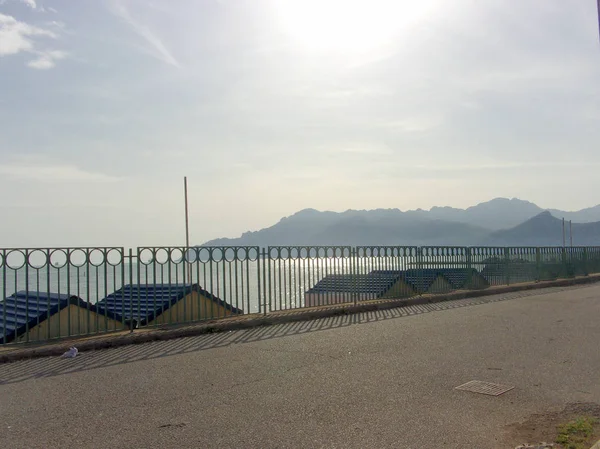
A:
x: 477, y: 386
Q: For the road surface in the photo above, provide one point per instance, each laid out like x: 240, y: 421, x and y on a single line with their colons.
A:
x: 378, y: 380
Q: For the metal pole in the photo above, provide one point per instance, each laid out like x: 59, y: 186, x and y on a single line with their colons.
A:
x: 571, y: 229
x: 187, y: 228
x: 599, y: 15
x: 563, y: 229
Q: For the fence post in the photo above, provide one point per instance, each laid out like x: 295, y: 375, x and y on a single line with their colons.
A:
x: 185, y: 278
x: 138, y: 277
x: 507, y: 265
x: 4, y: 338
x: 469, y: 280
x: 26, y: 262
x: 131, y: 289
x: 269, y: 293
x: 264, y: 278
x: 538, y: 262
x: 258, y: 279
x: 420, y: 281
x: 353, y: 271
x: 584, y: 262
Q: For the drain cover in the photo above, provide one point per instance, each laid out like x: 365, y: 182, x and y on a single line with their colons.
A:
x: 477, y: 386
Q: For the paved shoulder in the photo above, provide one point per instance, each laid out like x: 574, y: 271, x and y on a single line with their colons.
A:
x: 384, y: 379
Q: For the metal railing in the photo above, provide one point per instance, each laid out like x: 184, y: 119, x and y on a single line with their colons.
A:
x: 51, y: 293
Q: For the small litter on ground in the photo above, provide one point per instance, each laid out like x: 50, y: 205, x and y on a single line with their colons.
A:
x: 70, y: 353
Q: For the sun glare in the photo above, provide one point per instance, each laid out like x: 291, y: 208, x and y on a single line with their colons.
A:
x: 347, y: 25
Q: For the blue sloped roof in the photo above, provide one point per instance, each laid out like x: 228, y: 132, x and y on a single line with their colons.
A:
x: 458, y: 277
x: 422, y: 279
x: 25, y: 309
x: 144, y: 302
x: 512, y: 269
x: 372, y: 283
x: 376, y: 283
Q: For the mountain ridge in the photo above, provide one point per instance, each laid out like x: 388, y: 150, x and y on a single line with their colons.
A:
x: 480, y: 224
x: 546, y: 230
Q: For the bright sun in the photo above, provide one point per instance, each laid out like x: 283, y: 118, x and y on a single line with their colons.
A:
x: 347, y: 25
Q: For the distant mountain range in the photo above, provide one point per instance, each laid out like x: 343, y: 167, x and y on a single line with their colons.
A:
x: 501, y: 221
x: 546, y: 230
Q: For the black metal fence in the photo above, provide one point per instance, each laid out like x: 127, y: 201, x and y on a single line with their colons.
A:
x: 50, y: 293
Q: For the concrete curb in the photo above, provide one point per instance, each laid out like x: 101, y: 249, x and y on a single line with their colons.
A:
x: 288, y: 316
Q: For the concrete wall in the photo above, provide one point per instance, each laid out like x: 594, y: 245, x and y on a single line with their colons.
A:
x: 72, y: 320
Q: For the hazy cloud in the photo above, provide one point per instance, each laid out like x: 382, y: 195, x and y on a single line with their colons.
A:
x: 157, y: 47
x: 30, y: 3
x: 46, y: 60
x: 53, y: 173
x: 17, y: 36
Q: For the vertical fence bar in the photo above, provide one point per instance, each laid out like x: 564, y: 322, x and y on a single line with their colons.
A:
x: 311, y: 262
x: 354, y: 272
x: 37, y: 301
x: 248, y: 258
x: 185, y: 282
x: 506, y: 266
x: 469, y: 265
x: 286, y: 275
x: 316, y: 270
x: 262, y: 280
x: 4, y: 305
x: 224, y: 296
x: 26, y: 263
x: 211, y: 281
x: 269, y: 268
x: 104, y: 296
x: 290, y: 289
x: 237, y: 292
x: 420, y: 276
x: 87, y: 287
x: 130, y: 290
x: 538, y: 263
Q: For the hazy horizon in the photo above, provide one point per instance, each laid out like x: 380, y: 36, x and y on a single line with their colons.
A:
x: 456, y: 207
x: 274, y: 106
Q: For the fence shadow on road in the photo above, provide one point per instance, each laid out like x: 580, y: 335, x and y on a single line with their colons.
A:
x: 54, y: 366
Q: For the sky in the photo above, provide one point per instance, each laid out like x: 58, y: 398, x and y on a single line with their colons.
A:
x: 273, y: 106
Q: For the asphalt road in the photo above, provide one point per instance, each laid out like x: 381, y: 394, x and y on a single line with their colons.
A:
x: 378, y: 380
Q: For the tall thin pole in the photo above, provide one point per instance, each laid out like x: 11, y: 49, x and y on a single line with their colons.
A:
x: 571, y: 231
x: 187, y: 229
x: 599, y: 15
x: 564, y: 237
